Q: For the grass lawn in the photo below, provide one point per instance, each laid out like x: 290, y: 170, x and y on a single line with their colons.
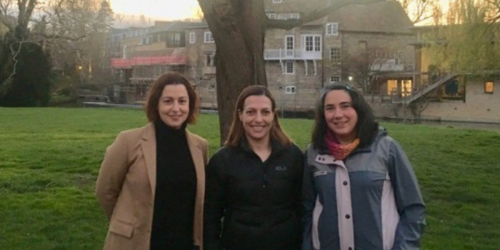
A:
x: 50, y: 157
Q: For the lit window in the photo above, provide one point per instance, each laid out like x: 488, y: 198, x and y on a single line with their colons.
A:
x: 192, y: 37
x: 277, y: 1
x: 332, y: 29
x: 208, y: 37
x: 290, y: 89
x: 489, y: 87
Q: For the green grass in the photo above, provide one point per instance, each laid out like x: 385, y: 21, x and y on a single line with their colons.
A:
x: 50, y: 157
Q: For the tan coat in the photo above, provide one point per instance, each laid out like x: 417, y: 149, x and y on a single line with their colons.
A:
x: 126, y: 185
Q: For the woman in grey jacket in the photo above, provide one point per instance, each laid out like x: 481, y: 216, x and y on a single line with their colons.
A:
x: 360, y: 191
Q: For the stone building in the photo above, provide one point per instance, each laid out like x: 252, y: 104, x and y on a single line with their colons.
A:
x: 362, y: 44
x: 146, y: 53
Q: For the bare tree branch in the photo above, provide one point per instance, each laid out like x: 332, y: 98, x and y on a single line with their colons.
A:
x: 7, y: 22
x: 8, y: 81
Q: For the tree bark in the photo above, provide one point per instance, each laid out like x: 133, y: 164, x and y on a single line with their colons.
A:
x: 238, y: 28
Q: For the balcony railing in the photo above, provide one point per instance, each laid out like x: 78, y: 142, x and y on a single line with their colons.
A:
x: 150, y: 60
x: 281, y: 54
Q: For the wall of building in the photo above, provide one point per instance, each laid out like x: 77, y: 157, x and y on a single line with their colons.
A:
x: 201, y: 70
x: 478, y: 106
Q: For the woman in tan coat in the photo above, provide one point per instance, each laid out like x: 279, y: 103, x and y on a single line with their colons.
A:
x: 151, y: 184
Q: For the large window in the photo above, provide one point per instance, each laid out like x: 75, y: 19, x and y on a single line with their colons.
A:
x: 332, y: 29
x: 404, y: 89
x: 489, y: 87
x: 208, y: 37
x: 335, y: 54
x: 312, y: 43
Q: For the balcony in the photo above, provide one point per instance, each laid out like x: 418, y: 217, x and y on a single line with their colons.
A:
x: 208, y: 70
x: 281, y: 54
x: 122, y: 63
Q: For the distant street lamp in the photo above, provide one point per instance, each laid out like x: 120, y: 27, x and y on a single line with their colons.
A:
x: 80, y: 72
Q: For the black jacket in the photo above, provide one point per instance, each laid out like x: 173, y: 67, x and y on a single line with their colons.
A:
x: 259, y: 202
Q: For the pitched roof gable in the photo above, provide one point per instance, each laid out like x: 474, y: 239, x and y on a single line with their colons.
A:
x: 386, y: 16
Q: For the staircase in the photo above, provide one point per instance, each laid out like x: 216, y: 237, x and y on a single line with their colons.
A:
x: 412, y: 98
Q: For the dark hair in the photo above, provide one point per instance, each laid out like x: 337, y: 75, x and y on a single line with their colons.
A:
x: 236, y: 132
x: 156, y: 89
x: 366, y: 127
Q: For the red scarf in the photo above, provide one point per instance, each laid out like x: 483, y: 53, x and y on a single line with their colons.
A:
x: 339, y: 151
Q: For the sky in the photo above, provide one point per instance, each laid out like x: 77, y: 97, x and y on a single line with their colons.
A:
x: 164, y: 9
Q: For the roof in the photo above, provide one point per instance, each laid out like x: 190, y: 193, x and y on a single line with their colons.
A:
x: 385, y: 16
x: 161, y: 26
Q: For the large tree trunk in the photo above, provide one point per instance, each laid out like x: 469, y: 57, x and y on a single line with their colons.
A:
x: 238, y: 28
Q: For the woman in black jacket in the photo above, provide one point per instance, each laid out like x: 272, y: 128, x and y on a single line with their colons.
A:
x: 253, y: 188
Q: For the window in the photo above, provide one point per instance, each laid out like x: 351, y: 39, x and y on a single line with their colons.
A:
x: 209, y: 58
x: 277, y: 1
x: 488, y: 87
x: 176, y: 39
x: 332, y: 29
x: 208, y: 37
x: 271, y: 15
x: 289, y: 67
x: 335, y: 54
x: 211, y: 87
x: 290, y: 89
x: 363, y: 45
x: 289, y: 45
x: 312, y: 43
x: 192, y: 37
x: 283, y: 16
x: 334, y: 79
x: 392, y: 87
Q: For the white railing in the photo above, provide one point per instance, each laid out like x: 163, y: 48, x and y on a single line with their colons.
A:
x: 281, y: 54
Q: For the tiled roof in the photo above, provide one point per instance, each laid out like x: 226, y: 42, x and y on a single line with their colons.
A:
x: 386, y: 16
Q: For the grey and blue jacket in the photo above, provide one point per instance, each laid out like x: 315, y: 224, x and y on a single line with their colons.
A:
x: 369, y: 201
